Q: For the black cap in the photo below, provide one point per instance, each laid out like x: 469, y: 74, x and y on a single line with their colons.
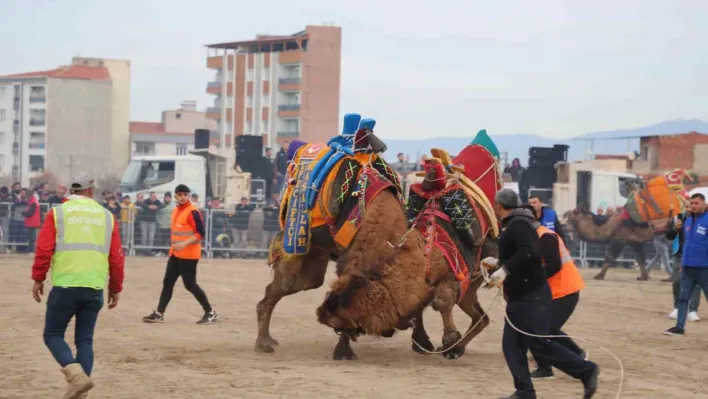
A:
x: 181, y: 188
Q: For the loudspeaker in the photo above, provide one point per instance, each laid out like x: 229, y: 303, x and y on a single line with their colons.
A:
x: 560, y: 152
x: 545, y: 162
x: 249, y: 144
x: 539, y: 177
x: 540, y: 152
x: 201, y: 139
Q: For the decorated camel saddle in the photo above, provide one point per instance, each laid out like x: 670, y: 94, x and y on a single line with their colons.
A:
x: 453, y: 206
x: 328, y: 186
x: 663, y: 197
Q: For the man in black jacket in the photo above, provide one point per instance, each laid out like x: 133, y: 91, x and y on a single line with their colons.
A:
x: 528, y: 296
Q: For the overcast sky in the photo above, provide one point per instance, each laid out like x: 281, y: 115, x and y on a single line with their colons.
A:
x: 446, y: 67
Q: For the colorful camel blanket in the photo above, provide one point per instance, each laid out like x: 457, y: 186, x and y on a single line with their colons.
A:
x: 663, y: 197
x: 320, y: 182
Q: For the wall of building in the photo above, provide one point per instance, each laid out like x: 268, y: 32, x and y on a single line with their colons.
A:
x: 6, y: 135
x: 186, y: 121
x: 669, y: 152
x: 120, y: 96
x: 80, y: 127
x: 321, y: 70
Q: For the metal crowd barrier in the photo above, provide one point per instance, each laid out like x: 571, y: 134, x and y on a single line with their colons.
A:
x: 226, y: 237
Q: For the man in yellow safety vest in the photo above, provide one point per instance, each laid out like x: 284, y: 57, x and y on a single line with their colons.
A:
x: 80, y: 242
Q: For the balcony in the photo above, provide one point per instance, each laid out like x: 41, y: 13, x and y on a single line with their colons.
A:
x: 285, y: 81
x: 37, y: 99
x: 215, y: 62
x: 289, y: 111
x: 289, y: 84
x: 213, y: 110
x: 36, y: 146
x: 289, y: 134
x: 214, y: 87
x: 289, y: 107
x: 36, y: 122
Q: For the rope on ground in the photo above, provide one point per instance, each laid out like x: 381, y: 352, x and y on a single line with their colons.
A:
x: 485, y: 275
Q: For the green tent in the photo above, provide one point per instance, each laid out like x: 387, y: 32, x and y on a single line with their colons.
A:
x: 485, y: 141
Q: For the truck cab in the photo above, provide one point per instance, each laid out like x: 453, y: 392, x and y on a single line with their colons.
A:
x: 161, y: 174
x: 581, y: 185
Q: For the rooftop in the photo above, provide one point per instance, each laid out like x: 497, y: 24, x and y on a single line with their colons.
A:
x: 66, y: 72
x: 260, y: 39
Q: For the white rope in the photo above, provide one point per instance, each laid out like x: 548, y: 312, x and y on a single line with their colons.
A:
x: 485, y: 276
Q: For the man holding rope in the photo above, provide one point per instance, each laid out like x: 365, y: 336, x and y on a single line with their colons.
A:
x: 565, y: 282
x: 529, y: 302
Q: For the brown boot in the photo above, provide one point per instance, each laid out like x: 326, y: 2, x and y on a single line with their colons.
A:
x: 79, y: 382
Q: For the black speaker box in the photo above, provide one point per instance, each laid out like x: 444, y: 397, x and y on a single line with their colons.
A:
x: 249, y: 144
x: 201, y: 139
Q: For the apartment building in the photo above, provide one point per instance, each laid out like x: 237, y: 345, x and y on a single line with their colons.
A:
x: 173, y: 135
x: 278, y: 87
x: 64, y: 120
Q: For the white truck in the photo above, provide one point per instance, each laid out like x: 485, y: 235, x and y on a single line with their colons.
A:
x: 578, y: 184
x: 208, y: 173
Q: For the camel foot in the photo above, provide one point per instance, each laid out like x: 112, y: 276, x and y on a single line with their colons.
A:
x: 450, y: 338
x: 423, y: 341
x: 263, y: 348
x: 643, y: 278
x: 599, y: 276
x: 344, y: 352
x: 270, y: 341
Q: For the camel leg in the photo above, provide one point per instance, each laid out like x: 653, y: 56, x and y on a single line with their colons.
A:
x: 614, y: 251
x: 421, y: 336
x: 641, y: 260
x: 312, y: 274
x: 443, y: 302
x: 479, y: 319
x: 343, y: 350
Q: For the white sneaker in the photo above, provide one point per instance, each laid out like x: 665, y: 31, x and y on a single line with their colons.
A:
x: 673, y: 314
x: 693, y: 316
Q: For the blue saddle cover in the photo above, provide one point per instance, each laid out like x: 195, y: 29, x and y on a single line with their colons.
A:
x: 339, y: 147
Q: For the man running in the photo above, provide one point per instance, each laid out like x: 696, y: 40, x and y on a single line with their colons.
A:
x: 80, y: 242
x: 185, y: 252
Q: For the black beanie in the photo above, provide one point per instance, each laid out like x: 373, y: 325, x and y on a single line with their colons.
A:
x: 181, y: 188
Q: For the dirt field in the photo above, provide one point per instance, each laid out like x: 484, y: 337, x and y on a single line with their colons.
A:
x: 179, y: 359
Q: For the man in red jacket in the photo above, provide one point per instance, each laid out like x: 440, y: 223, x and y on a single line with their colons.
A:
x: 32, y: 220
x: 80, y: 241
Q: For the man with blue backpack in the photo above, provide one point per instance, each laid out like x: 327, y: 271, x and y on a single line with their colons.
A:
x: 694, y: 262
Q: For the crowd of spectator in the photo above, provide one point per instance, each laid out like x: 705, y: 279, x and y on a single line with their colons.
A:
x: 147, y: 219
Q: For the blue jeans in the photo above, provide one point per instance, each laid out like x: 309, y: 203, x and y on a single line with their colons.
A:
x: 62, y: 305
x: 690, y: 276
x: 662, y: 255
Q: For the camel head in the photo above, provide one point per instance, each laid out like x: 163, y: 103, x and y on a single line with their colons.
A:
x: 346, y: 305
x: 362, y: 303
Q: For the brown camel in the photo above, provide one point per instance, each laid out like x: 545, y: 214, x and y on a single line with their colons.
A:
x: 383, y: 222
x: 376, y: 296
x: 618, y: 233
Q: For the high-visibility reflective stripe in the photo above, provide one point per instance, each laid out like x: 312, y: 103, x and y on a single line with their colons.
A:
x: 182, y: 233
x: 61, y: 230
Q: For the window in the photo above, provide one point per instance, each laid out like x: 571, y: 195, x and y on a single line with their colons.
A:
x: 2, y: 161
x: 266, y: 73
x: 144, y: 148
x: 2, y: 138
x: 36, y: 163
x: 37, y: 117
x: 3, y: 89
x: 140, y: 175
x: 36, y: 141
x: 249, y: 75
x: 3, y: 115
x: 249, y: 127
x: 181, y: 149
x: 37, y: 94
x: 266, y: 101
x: 249, y: 101
x: 265, y: 126
x: 229, y: 101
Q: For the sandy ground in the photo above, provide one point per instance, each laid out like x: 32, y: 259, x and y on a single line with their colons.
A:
x: 179, y: 359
